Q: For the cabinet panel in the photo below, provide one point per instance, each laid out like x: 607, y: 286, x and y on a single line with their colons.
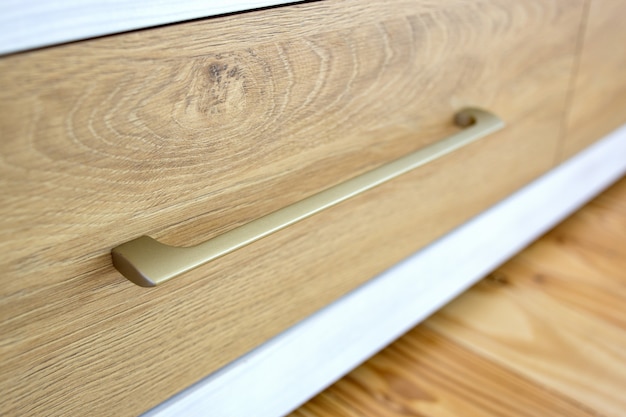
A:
x: 186, y: 131
x: 599, y: 98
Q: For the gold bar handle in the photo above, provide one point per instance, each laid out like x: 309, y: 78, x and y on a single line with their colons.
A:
x: 147, y: 262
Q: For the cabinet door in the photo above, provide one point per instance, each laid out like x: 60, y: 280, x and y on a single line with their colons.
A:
x: 599, y: 99
x: 187, y: 131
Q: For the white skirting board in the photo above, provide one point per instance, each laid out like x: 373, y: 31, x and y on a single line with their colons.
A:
x: 28, y: 24
x: 283, y: 373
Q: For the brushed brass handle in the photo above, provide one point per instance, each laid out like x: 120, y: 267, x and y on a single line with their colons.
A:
x: 147, y: 262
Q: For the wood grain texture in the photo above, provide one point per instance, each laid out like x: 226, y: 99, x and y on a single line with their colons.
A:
x: 560, y: 322
x: 186, y: 131
x: 542, y: 335
x: 599, y: 96
x: 426, y: 374
x: 29, y: 24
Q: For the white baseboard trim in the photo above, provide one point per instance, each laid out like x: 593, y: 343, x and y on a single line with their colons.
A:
x: 28, y: 24
x: 281, y: 374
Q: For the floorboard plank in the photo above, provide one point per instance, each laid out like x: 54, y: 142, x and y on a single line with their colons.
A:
x: 545, y: 335
x: 426, y: 374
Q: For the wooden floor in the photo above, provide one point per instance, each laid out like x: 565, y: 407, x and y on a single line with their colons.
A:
x: 544, y: 335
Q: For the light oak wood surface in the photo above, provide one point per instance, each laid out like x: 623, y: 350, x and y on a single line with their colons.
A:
x: 543, y: 335
x: 186, y: 131
x: 30, y: 24
x: 599, y: 94
x: 427, y: 374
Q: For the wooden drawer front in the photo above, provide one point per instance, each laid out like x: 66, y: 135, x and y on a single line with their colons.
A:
x: 187, y: 131
x: 599, y: 99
